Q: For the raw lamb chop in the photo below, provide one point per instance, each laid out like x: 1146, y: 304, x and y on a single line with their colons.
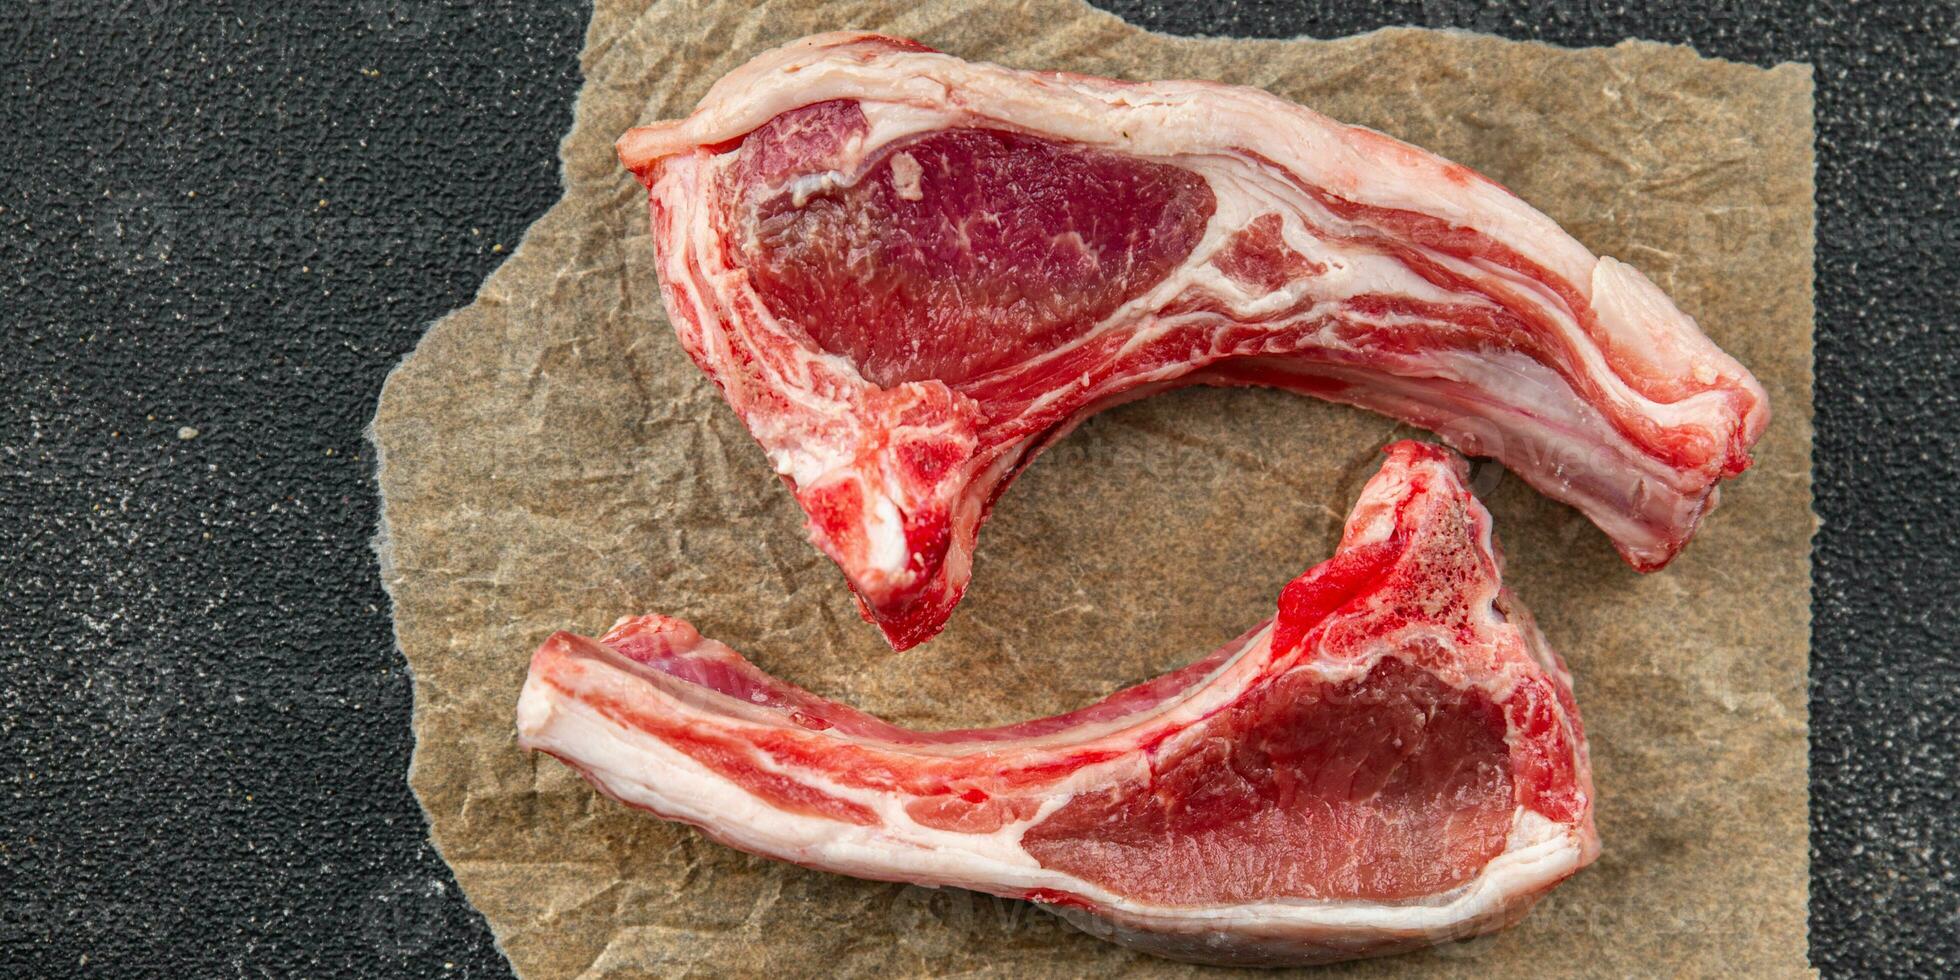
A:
x: 909, y: 274
x: 1394, y: 760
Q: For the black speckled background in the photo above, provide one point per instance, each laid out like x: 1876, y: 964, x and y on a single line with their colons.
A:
x: 222, y: 223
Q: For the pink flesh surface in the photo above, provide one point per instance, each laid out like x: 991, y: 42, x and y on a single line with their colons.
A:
x: 995, y: 247
x: 909, y: 274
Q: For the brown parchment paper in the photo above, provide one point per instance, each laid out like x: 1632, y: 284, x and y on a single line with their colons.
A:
x: 551, y: 459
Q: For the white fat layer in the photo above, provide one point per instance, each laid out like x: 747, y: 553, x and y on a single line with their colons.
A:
x: 1160, y: 119
x: 643, y: 771
x: 908, y: 177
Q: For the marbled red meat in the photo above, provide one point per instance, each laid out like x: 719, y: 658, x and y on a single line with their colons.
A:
x: 910, y: 273
x: 1024, y: 243
x: 1393, y: 760
x: 1386, y: 787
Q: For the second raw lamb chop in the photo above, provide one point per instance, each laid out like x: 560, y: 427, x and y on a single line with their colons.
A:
x: 1393, y: 760
x: 910, y: 273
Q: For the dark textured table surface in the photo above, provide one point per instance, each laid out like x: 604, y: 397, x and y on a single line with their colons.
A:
x: 220, y: 226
